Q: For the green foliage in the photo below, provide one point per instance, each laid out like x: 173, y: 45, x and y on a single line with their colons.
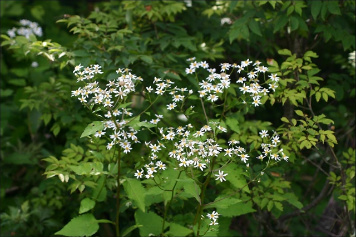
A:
x: 83, y: 225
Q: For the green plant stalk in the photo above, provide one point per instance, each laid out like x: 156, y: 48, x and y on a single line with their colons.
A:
x: 169, y: 203
x: 202, y: 196
x: 118, y: 195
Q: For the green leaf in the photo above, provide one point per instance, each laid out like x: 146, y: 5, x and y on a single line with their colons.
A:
x: 233, y: 123
x: 270, y: 205
x: 192, y: 188
x: 86, y: 205
x: 178, y: 230
x: 255, y: 27
x: 236, y: 209
x: 325, y: 96
x: 315, y: 8
x: 312, y: 54
x: 292, y: 199
x: 280, y: 23
x: 278, y: 205
x: 264, y: 202
x: 6, y: 92
x: 294, y: 23
x: 299, y: 112
x: 46, y: 118
x: 223, y: 202
x: 136, y: 192
x: 83, y: 225
x: 147, y: 59
x: 333, y: 7
x: 317, y: 96
x: 151, y: 223
x: 17, y: 82
x: 285, y: 52
x: 306, y: 144
x: 134, y: 123
x: 100, y: 192
x: 130, y: 229
x: 236, y: 178
x: 37, y: 12
x: 92, y: 128
x: 284, y: 119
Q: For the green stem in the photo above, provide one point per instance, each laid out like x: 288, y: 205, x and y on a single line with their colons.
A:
x: 118, y: 195
x: 169, y: 203
x: 144, y: 110
x: 202, y: 196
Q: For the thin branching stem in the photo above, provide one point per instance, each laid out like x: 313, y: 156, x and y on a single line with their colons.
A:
x: 169, y: 203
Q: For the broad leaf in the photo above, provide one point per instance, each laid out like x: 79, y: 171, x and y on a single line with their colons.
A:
x: 136, y: 192
x: 84, y: 225
x: 92, y: 128
x: 86, y: 205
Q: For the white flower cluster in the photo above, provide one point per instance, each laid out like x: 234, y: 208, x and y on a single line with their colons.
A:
x: 108, y: 100
x: 190, y: 150
x: 215, y: 84
x: 271, y: 149
x: 352, y: 58
x: 213, y: 217
x: 27, y: 28
x: 162, y: 86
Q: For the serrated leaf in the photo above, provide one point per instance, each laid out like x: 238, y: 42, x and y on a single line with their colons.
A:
x: 222, y: 202
x: 233, y: 123
x: 236, y: 209
x: 325, y: 96
x: 285, y: 52
x: 192, y: 188
x: 306, y: 144
x: 86, y: 205
x: 151, y: 223
x: 136, y: 192
x: 83, y: 225
x: 178, y: 230
x: 264, y: 202
x: 317, y: 96
x: 278, y: 205
x: 312, y: 54
x: 284, y: 119
x: 299, y: 112
x: 292, y: 199
x: 92, y: 128
x: 236, y: 178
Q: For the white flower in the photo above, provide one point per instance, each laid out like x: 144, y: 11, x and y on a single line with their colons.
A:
x: 263, y: 133
x: 221, y: 176
x: 213, y: 216
x: 352, y: 58
x: 225, y: 20
x: 244, y: 157
x: 171, y: 106
x: 139, y: 173
x: 274, y: 77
